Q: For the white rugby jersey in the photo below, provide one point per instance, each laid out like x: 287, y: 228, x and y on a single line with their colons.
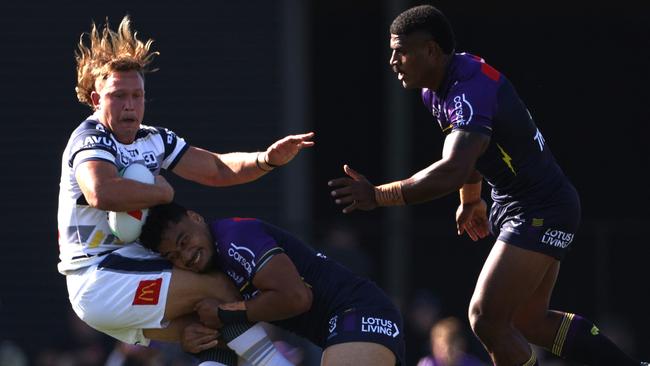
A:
x: 83, y: 230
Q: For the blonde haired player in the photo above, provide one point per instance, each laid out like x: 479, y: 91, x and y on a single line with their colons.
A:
x: 120, y: 288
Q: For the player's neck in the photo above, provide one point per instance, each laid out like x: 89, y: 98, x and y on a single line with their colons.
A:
x: 440, y: 73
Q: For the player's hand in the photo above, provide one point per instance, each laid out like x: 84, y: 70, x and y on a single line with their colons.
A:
x: 356, y: 191
x: 196, y: 337
x: 208, y: 310
x: 165, y: 187
x: 471, y: 218
x: 283, y: 150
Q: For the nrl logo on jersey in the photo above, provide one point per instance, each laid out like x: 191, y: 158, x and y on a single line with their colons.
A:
x: 235, y: 277
x: 435, y: 110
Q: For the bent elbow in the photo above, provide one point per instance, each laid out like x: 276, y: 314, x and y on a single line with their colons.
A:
x: 100, y: 199
x: 302, y: 300
x: 306, y: 299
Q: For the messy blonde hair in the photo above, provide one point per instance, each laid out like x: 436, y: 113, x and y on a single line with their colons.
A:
x: 109, y: 51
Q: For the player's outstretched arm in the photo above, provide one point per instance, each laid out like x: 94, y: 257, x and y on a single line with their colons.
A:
x: 355, y: 191
x: 218, y: 170
x: 460, y: 152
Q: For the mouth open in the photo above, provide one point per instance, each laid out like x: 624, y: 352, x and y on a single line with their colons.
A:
x: 195, y: 259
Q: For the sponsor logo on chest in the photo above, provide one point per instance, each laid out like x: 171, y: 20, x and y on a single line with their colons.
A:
x: 136, y: 155
x: 242, y: 255
x: 462, y: 111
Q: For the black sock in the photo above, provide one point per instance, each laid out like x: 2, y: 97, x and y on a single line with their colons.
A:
x: 234, y: 330
x: 578, y: 339
x: 225, y: 356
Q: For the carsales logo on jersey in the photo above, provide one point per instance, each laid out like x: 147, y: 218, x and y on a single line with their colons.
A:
x: 462, y: 111
x: 239, y: 254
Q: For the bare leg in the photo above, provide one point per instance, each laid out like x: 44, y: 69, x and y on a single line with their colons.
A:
x: 508, y: 280
x: 534, y: 319
x: 187, y: 288
x: 173, y: 331
x: 357, y: 354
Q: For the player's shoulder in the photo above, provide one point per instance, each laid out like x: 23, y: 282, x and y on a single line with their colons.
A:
x: 243, y: 228
x: 467, y: 67
x: 90, y: 126
x: 90, y: 134
x: 148, y: 131
x: 242, y: 223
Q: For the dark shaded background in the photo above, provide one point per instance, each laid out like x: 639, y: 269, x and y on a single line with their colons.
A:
x: 581, y: 68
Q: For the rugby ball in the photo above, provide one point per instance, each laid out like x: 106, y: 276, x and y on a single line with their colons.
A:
x: 127, y: 226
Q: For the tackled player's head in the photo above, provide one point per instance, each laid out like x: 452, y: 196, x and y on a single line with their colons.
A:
x: 110, y: 76
x: 180, y: 235
x: 422, y: 41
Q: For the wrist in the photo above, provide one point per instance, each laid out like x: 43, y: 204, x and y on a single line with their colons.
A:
x: 266, y: 161
x: 470, y: 193
x: 261, y: 162
x: 233, y: 313
x: 389, y: 194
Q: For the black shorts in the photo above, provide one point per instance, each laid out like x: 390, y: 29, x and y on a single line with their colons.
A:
x: 547, y: 227
x: 375, y: 320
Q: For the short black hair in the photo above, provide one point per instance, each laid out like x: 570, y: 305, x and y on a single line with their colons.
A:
x: 429, y: 19
x: 158, y: 220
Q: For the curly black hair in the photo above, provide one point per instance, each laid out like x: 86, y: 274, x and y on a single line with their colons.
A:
x: 429, y: 19
x: 158, y: 220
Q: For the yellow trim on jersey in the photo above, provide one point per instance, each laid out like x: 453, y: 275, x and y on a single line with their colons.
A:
x: 560, y: 337
x: 241, y: 289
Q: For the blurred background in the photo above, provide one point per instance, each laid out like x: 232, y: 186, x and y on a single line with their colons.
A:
x: 236, y: 76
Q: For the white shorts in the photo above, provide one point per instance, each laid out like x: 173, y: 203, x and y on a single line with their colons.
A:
x: 123, y: 294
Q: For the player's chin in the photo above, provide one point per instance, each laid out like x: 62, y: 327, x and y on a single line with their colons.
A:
x: 408, y: 85
x: 202, y: 266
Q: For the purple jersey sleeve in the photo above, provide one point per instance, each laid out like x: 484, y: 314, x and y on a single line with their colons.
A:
x: 471, y: 104
x: 243, y: 247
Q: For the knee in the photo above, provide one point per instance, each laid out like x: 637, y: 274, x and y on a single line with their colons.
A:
x: 477, y: 318
x: 485, y: 322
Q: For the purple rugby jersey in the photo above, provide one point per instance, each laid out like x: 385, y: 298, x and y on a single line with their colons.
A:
x: 245, y: 245
x: 475, y: 97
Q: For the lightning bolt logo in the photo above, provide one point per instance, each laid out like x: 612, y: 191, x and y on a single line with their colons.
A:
x: 507, y: 159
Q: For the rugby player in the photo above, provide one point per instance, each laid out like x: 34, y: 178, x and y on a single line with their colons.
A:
x: 282, y: 281
x: 490, y: 135
x: 119, y: 288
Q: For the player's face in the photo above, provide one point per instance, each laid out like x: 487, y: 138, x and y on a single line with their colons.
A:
x: 188, y: 243
x: 413, y: 60
x: 119, y: 101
